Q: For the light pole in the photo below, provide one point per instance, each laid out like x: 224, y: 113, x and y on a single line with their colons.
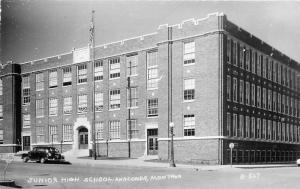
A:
x: 171, y: 161
x: 129, y: 109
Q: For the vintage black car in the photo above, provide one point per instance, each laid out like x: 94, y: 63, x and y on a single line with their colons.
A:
x: 43, y: 154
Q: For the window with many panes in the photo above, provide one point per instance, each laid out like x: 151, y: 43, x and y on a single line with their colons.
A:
x: 240, y: 130
x: 189, y: 125
x: 67, y: 105
x: 234, y: 54
x: 39, y: 81
x: 228, y: 92
x: 252, y: 128
x: 67, y: 133
x: 99, y: 130
x: 52, y: 78
x: 39, y: 108
x: 253, y: 94
x: 264, y: 129
x: 114, y: 129
x: 114, y: 99
x: 82, y: 73
x: 1, y: 136
x: 247, y: 93
x: 53, y: 106
x: 264, y: 99
x: 258, y: 128
x: 82, y: 104
x: 26, y: 89
x: 1, y: 111
x: 152, y: 107
x: 114, y: 67
x: 132, y: 63
x: 247, y: 126
x: 152, y: 70
x: 98, y: 102
x: 26, y: 121
x: 189, y: 53
x: 53, y: 136
x: 67, y: 76
x: 234, y: 88
x: 234, y: 125
x: 132, y: 97
x: 242, y: 91
x: 98, y: 70
x: 269, y: 100
x: 189, y: 89
x: 228, y: 126
x: 228, y: 52
x: 132, y: 130
x: 1, y: 87
x: 258, y: 97
x: 40, y: 135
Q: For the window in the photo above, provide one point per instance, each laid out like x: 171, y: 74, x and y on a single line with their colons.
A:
x: 279, y: 103
x: 275, y: 67
x: 228, y: 88
x: 39, y: 108
x: 228, y: 50
x: 39, y: 81
x: 279, y: 131
x: 242, y: 49
x: 53, y: 137
x: 114, y: 99
x: 132, y: 97
x: 284, y: 73
x: 287, y: 104
x: 1, y: 87
x: 258, y: 97
x: 283, y: 132
x: 82, y: 104
x: 269, y: 130
x: 26, y: 120
x: 247, y: 59
x: 288, y: 78
x: 264, y: 129
x: 40, y: 136
x: 270, y: 65
x: 99, y: 130
x: 152, y: 107
x: 234, y: 125
x: 152, y: 70
x: 98, y: 70
x: 67, y: 133
x: 241, y: 91
x: 252, y: 129
x: 274, y: 128
x: 1, y: 136
x: 68, y: 105
x: 1, y: 111
x: 132, y: 62
x: 247, y: 93
x: 283, y: 104
x: 254, y: 60
x: 132, y: 130
x: 264, y: 104
x: 247, y: 126
x: 258, y: 128
x: 269, y: 100
x: 274, y: 101
x: 189, y: 125
x: 264, y: 67
x: 234, y: 53
x: 234, y: 87
x: 114, y: 68
x: 82, y: 73
x: 52, y: 106
x: 52, y: 78
x: 98, y: 102
x: 253, y: 94
x: 189, y: 53
x: 279, y: 73
x: 228, y: 128
x: 189, y: 89
x: 26, y: 89
x: 67, y: 76
x: 259, y: 60
x: 240, y: 129
x: 114, y: 129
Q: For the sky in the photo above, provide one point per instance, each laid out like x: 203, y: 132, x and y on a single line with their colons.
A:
x: 33, y: 29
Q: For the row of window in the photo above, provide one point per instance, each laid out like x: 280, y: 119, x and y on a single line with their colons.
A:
x: 242, y: 56
x: 239, y: 125
x: 254, y: 95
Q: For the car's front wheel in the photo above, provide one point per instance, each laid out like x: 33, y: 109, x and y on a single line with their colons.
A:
x: 25, y: 159
x: 42, y: 160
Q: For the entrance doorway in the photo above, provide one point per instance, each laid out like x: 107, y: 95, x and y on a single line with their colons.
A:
x: 152, y: 141
x: 26, y: 143
x: 83, y: 138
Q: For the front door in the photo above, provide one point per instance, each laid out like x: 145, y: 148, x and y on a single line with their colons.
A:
x: 152, y: 142
x: 26, y: 143
x: 83, y: 138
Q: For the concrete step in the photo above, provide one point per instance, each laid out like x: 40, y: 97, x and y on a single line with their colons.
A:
x: 76, y: 153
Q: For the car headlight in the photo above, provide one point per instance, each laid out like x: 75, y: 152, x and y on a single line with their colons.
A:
x: 49, y: 154
x: 298, y: 161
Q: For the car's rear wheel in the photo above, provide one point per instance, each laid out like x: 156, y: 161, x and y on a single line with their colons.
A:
x: 42, y: 160
x: 25, y: 159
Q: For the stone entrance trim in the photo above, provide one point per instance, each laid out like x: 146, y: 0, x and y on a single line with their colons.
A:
x: 81, y: 122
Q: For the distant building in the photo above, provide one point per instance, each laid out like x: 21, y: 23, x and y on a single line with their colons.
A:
x: 216, y: 82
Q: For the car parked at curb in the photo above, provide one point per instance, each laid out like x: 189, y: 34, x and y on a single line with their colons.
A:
x: 43, y: 154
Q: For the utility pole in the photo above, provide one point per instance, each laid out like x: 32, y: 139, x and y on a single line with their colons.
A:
x: 92, y: 40
x: 129, y: 109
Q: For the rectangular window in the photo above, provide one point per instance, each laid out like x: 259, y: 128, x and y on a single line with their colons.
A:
x: 247, y: 129
x: 269, y: 130
x: 253, y: 94
x: 228, y: 88
x: 288, y: 78
x: 279, y: 103
x: 275, y: 67
x: 53, y: 78
x: 247, y: 93
x: 67, y: 133
x: 39, y: 108
x: 264, y: 129
x: 40, y: 135
x: 99, y: 130
x: 132, y: 63
x: 274, y: 101
x: 152, y: 70
x: 287, y: 104
x: 228, y: 50
x: 234, y: 87
x: 132, y: 97
x: 274, y: 128
x: 82, y: 73
x: 247, y: 66
x: 284, y: 73
x: 114, y: 67
x: 53, y: 136
x: 67, y: 76
x: 270, y: 65
x: 26, y: 121
x: 269, y: 100
x: 254, y: 60
x: 189, y: 89
x: 241, y: 126
x: 1, y: 87
x: 258, y: 128
x: 228, y: 128
x: 152, y: 107
x: 258, y: 97
x: 98, y: 102
x: 279, y: 73
x: 1, y: 136
x: 259, y: 59
x: 241, y: 91
x: 1, y: 111
x: 82, y: 104
x: 98, y: 70
x: 234, y: 125
x: 67, y: 105
x: 132, y: 130
x: 264, y: 96
x: 264, y: 67
x: 283, y: 104
x: 279, y: 131
x: 26, y: 89
x: 114, y: 129
x: 234, y: 53
x: 283, y: 132
x: 114, y: 99
x: 242, y: 56
x: 39, y: 81
x: 53, y: 107
x: 252, y: 129
x: 189, y: 53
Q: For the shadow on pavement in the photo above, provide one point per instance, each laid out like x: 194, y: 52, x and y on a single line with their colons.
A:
x: 107, y: 158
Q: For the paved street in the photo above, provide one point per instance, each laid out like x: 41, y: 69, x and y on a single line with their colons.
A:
x: 36, y: 175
